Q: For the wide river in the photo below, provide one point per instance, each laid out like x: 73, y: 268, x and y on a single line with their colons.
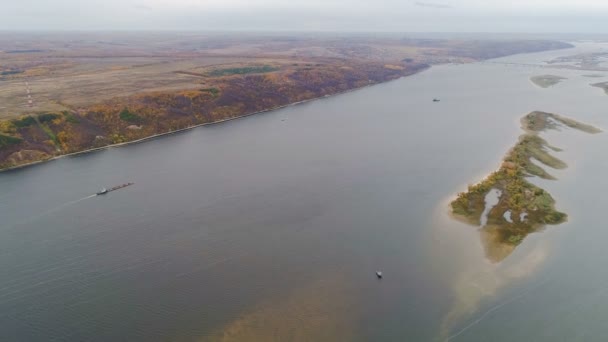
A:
x: 271, y: 227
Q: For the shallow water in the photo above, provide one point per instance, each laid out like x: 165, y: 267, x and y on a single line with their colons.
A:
x: 272, y: 226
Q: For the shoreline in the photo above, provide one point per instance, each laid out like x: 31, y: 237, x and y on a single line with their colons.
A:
x: 92, y: 150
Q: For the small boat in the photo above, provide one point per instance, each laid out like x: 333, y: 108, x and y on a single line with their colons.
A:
x: 379, y: 274
x: 102, y: 192
x: 436, y: 100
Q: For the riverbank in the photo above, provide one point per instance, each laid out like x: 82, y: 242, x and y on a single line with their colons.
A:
x: 154, y: 136
x: 44, y: 137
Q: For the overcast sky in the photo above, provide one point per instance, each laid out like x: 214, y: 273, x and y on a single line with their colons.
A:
x: 536, y: 16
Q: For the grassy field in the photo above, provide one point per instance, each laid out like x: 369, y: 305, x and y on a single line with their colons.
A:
x: 75, y: 85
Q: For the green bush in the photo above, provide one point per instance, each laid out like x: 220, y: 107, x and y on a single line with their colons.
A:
x: 7, y: 140
x: 69, y: 117
x: 44, y: 118
x: 555, y: 217
x: 11, y: 72
x: 24, y: 122
x: 126, y: 115
x: 243, y: 70
x: 212, y: 91
x: 515, y: 239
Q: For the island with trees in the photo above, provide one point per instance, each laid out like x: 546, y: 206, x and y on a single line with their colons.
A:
x: 522, y: 207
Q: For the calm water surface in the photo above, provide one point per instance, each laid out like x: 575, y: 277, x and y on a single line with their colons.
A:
x: 271, y: 227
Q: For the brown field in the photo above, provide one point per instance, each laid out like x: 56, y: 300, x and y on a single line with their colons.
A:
x: 70, y: 71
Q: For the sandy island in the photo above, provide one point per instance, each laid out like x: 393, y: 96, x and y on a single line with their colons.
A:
x: 546, y: 81
x: 603, y: 85
x: 522, y: 207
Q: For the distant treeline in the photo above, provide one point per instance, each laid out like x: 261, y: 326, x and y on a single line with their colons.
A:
x: 243, y: 70
x: 10, y: 72
x: 24, y: 51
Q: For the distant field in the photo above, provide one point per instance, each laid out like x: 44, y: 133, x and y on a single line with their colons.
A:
x: 92, y: 80
x: 68, y: 72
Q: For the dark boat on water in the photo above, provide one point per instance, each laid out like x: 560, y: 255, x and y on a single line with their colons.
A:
x: 104, y: 191
x: 436, y: 100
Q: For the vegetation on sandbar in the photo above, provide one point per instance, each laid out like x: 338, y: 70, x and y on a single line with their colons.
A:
x: 603, y: 85
x: 522, y: 207
x: 538, y: 121
x: 546, y: 81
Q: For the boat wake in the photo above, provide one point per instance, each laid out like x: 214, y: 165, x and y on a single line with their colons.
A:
x: 78, y: 200
x: 50, y: 211
x: 64, y: 205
